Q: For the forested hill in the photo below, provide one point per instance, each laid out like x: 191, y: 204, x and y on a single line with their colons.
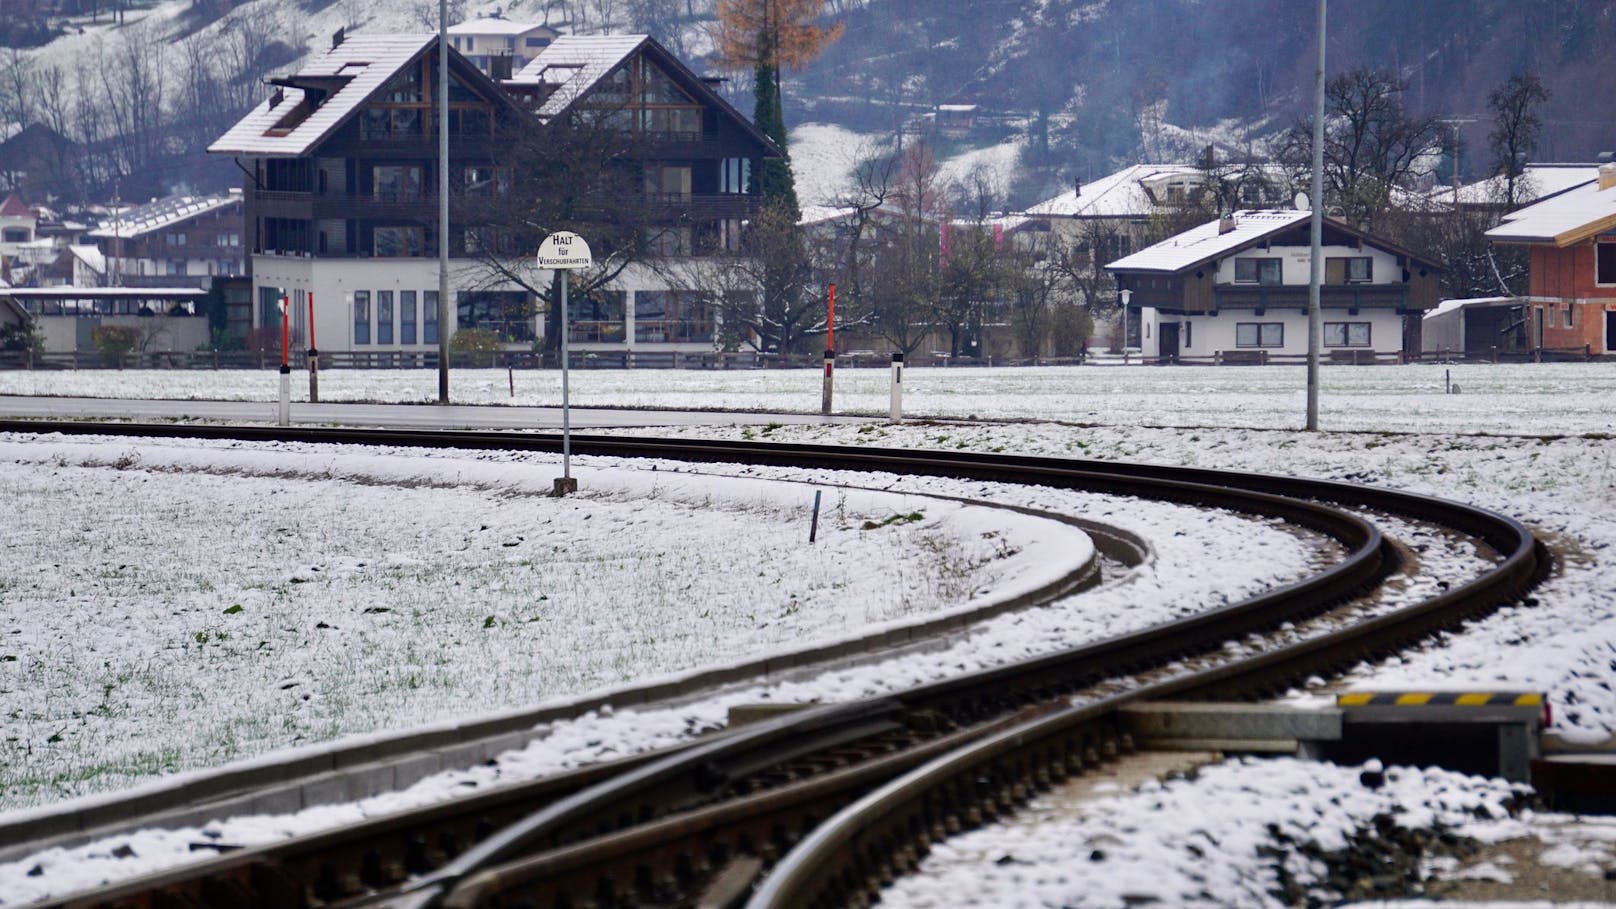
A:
x: 1091, y: 85
x: 1113, y: 79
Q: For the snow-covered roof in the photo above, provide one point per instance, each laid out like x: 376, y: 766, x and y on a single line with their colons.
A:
x: 1571, y: 217
x: 574, y: 64
x: 163, y: 213
x: 1209, y: 241
x: 1471, y: 303
x: 351, y: 72
x: 495, y: 27
x: 14, y: 207
x: 1115, y: 195
x: 1538, y: 182
x: 91, y: 256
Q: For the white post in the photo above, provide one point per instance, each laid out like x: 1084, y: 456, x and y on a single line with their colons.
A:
x: 566, y: 412
x: 286, y: 396
x: 897, y: 387
x: 1126, y: 295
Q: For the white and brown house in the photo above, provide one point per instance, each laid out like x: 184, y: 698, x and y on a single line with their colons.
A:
x: 1235, y: 289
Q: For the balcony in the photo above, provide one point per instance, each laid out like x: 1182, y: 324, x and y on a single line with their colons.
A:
x: 1335, y: 296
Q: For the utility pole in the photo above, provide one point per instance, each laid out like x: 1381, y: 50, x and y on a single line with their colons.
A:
x: 447, y: 312
x: 1315, y: 327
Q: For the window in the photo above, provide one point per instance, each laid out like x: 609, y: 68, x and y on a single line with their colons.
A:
x: 14, y: 235
x: 398, y: 241
x: 1569, y: 319
x: 1259, y: 334
x: 396, y: 182
x: 406, y: 317
x: 429, y: 317
x: 538, y: 42
x: 668, y: 183
x: 384, y: 317
x: 1345, y: 270
x: 682, y: 122
x: 1187, y: 335
x: 361, y: 317
x: 668, y: 241
x: 1605, y: 270
x: 597, y: 317
x: 671, y: 316
x: 1346, y: 334
x: 176, y: 266
x: 505, y: 313
x: 269, y: 308
x: 1257, y: 271
x: 734, y: 174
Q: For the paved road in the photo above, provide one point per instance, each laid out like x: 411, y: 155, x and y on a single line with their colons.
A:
x: 415, y: 416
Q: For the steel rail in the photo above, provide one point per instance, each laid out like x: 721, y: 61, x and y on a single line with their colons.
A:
x: 996, y: 689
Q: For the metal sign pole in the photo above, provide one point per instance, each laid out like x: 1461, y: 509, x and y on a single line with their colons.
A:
x: 564, y: 251
x: 566, y: 412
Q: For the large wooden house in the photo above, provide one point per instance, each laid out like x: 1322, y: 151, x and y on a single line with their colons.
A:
x: 342, y: 203
x: 1236, y: 290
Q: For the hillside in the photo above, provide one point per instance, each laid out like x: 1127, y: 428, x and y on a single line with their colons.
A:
x: 1082, y: 86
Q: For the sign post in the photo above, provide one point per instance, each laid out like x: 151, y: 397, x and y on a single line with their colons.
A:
x: 565, y: 251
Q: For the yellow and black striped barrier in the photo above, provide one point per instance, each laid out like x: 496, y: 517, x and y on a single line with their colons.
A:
x: 1533, y: 699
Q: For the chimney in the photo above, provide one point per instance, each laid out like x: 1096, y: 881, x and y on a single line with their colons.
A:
x: 499, y: 68
x: 1607, y: 176
x: 337, y: 37
x: 1225, y: 224
x: 1077, y: 188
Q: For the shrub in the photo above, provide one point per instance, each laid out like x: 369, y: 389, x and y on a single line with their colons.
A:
x: 115, y: 342
x: 478, y: 344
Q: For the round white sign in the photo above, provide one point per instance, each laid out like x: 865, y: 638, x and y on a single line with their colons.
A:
x: 564, y: 250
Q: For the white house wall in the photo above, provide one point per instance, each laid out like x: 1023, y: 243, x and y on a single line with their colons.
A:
x: 1211, y: 334
x: 1295, y: 263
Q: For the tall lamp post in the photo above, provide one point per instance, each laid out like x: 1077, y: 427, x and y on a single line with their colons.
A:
x: 446, y: 312
x: 1315, y: 328
x: 1126, y: 295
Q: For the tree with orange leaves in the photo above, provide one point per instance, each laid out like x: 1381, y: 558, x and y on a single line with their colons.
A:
x: 766, y: 35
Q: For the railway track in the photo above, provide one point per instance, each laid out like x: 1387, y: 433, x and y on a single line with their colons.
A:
x: 700, y: 825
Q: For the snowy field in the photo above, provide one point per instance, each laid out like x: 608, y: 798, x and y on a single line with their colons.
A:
x: 1513, y: 399
x: 1480, y: 446
x: 173, y: 606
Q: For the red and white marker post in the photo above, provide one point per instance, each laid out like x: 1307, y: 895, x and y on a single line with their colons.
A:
x: 286, y: 362
x: 830, y: 350
x: 314, y: 357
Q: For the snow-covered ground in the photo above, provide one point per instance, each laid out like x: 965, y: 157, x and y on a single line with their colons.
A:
x: 1481, y: 446
x: 1506, y: 399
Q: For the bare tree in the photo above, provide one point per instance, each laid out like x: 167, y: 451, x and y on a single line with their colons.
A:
x: 873, y: 185
x: 1372, y: 145
x: 1516, y: 127
x: 905, y: 280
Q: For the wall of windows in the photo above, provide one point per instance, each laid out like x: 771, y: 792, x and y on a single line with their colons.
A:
x: 672, y: 316
x: 361, y: 317
x: 597, y: 318
x: 505, y: 313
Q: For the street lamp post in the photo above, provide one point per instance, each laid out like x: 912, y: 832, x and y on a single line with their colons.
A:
x: 1126, y: 295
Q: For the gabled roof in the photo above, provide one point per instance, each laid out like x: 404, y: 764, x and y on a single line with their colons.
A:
x: 162, y: 213
x: 1209, y: 241
x: 1113, y: 196
x: 1536, y: 183
x: 336, y: 84
x: 346, y: 75
x: 1566, y: 219
x: 573, y: 65
x: 493, y: 26
x: 13, y: 207
x: 1206, y: 242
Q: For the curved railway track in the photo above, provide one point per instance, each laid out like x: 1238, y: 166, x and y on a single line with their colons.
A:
x: 699, y: 825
